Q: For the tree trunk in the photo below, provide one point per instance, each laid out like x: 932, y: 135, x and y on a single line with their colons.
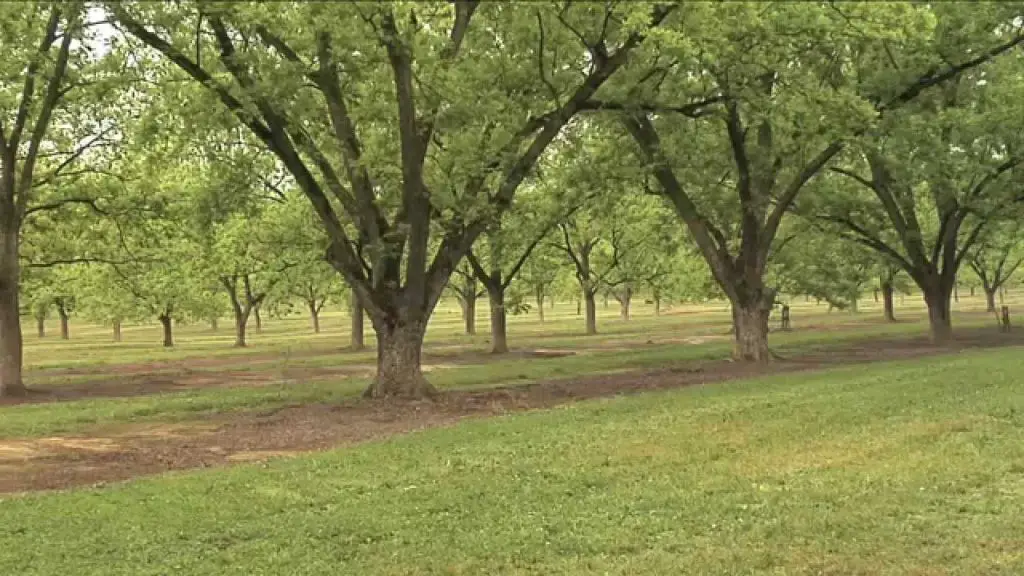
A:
x: 990, y: 299
x: 591, y: 305
x: 41, y: 326
x: 887, y: 304
x: 657, y: 303
x: 956, y: 293
x: 65, y: 330
x: 876, y: 295
x: 314, y: 316
x: 213, y: 324
x: 357, y: 323
x: 257, y: 318
x: 937, y: 297
x: 499, y: 334
x: 399, y: 372
x: 972, y: 291
x: 241, y: 319
x: 11, y: 383
x: 579, y: 306
x: 606, y: 301
x: 624, y: 301
x: 165, y: 321
x: 117, y: 330
x: 468, y: 302
x: 750, y: 328
x: 539, y: 293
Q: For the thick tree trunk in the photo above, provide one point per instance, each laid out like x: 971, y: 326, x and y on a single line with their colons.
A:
x: 314, y: 316
x: 937, y: 297
x: 624, y: 303
x: 750, y: 328
x: 241, y: 319
x: 117, y: 330
x: 990, y: 299
x: 11, y: 383
x: 591, y: 305
x: 165, y: 321
x: 356, y: 334
x: 887, y: 303
x: 41, y: 326
x: 65, y: 330
x: 468, y: 303
x: 499, y: 334
x: 399, y: 372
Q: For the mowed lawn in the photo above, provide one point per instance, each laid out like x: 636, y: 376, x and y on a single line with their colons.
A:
x: 914, y: 467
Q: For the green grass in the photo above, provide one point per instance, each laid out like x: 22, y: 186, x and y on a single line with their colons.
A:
x: 903, y: 468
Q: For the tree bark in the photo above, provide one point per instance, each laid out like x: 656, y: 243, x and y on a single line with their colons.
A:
x: 625, y: 299
x: 990, y: 299
x: 241, y: 319
x: 399, y: 369
x: 314, y: 316
x: 117, y: 330
x: 750, y: 328
x: 579, y: 306
x: 539, y: 293
x: 11, y: 383
x: 937, y: 297
x: 591, y: 305
x: 165, y: 321
x: 356, y: 335
x: 468, y: 303
x: 657, y: 303
x: 887, y: 303
x: 213, y: 324
x: 499, y: 332
x: 65, y: 330
x: 257, y: 318
x: 41, y: 326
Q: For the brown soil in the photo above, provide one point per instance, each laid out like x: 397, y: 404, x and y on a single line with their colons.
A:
x: 114, y: 454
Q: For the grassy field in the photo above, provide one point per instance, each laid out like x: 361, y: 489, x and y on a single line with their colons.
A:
x: 903, y: 468
x: 908, y: 467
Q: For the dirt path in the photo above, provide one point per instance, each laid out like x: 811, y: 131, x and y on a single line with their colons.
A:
x: 110, y: 454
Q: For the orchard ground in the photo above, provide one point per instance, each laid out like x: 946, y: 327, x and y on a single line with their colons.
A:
x: 914, y: 465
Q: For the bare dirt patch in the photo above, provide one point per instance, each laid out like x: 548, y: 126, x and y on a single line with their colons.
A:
x: 137, y: 450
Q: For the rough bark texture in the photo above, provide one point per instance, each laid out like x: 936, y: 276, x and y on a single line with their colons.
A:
x: 499, y: 334
x: 11, y: 383
x: 750, y: 328
x: 357, y: 324
x: 165, y: 321
x: 591, y: 305
x: 117, y: 330
x: 241, y: 319
x: 937, y: 297
x: 399, y: 371
x: 887, y: 303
